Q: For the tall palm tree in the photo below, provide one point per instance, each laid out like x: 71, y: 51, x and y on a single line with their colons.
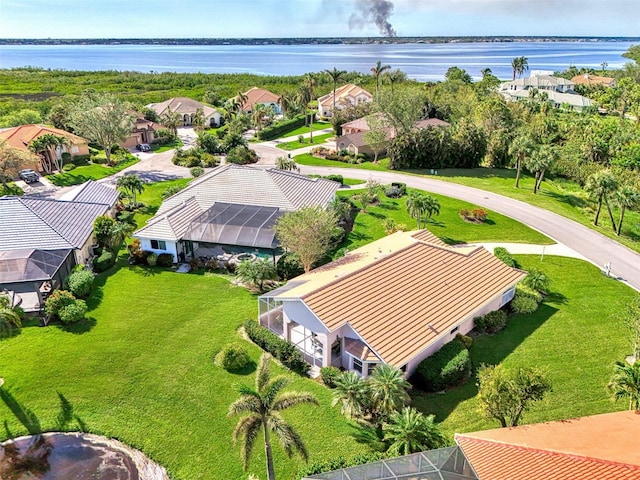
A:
x: 409, y: 431
x: 519, y: 65
x: 486, y: 72
x: 600, y: 185
x: 197, y: 120
x: 626, y: 197
x: 261, y: 407
x: 241, y: 99
x: 45, y: 146
x: 625, y: 383
x: 350, y: 393
x: 172, y: 120
x: 335, y: 75
x: 540, y: 160
x: 310, y: 83
x: 387, y: 391
x: 520, y: 148
x: 287, y: 103
x: 394, y: 77
x: 132, y: 184
x: 432, y: 207
x: 260, y: 112
x: 377, y: 70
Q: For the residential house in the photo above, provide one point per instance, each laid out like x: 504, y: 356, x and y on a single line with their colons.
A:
x: 599, y: 447
x: 556, y: 90
x: 593, y: 80
x: 187, y: 107
x: 346, y: 95
x: 43, y: 239
x: 144, y: 131
x: 231, y: 209
x: 20, y: 137
x: 259, y: 96
x: 547, y: 83
x: 353, y: 133
x: 397, y: 300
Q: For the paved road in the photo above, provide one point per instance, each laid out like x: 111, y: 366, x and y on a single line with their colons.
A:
x: 598, y: 249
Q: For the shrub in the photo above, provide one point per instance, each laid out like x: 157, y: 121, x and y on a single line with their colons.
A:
x: 336, y: 178
x: 164, y: 260
x: 79, y: 283
x: 478, y: 214
x: 504, y: 255
x: 329, y: 376
x: 523, y: 304
x: 152, y: 259
x: 300, y: 139
x: 82, y: 159
x: 526, y: 291
x: 68, y: 167
x: 58, y: 300
x: 288, y: 266
x: 281, y: 128
x: 284, y: 351
x: 212, y: 264
x: 100, y: 159
x: 105, y: 261
x: 242, y: 155
x: 73, y: 312
x: 465, y: 340
x: 495, y: 321
x: 209, y: 160
x: 233, y: 356
x: 194, y: 263
x: 196, y: 171
x: 537, y: 280
x: 341, y: 462
x: 136, y: 254
x: 448, y: 366
x: 464, y: 213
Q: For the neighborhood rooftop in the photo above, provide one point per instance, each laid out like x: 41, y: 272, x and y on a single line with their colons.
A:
x: 19, y: 137
x: 92, y: 192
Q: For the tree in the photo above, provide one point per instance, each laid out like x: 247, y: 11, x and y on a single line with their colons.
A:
x: 506, y: 395
x: 131, y: 184
x: 335, y: 76
x: 387, y: 391
x: 422, y: 205
x: 409, y: 431
x: 308, y: 233
x: 102, y: 226
x: 172, y: 120
x: 397, y: 76
x: 256, y: 272
x: 103, y: 119
x: 376, y: 139
x: 600, y: 185
x: 626, y: 197
x: 520, y: 148
x: 519, y: 65
x: 261, y: 407
x: 370, y: 194
x: 198, y: 121
x: 12, y: 160
x: 10, y: 316
x: 46, y: 146
x: 456, y: 74
x: 350, y: 393
x: 288, y: 104
x: 540, y: 160
x: 402, y: 110
x: 309, y: 83
x: 260, y: 112
x: 287, y: 164
x: 625, y: 384
x: 377, y: 70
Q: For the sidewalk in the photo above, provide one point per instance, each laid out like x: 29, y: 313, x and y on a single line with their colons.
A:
x: 533, y: 249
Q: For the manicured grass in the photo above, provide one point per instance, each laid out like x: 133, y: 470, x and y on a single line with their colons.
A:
x: 308, y: 159
x: 10, y: 189
x: 352, y: 181
x: 575, y: 334
x: 89, y: 172
x: 140, y: 369
x: 152, y: 198
x: 317, y: 140
x: 305, y: 130
x: 448, y: 225
x: 156, y: 148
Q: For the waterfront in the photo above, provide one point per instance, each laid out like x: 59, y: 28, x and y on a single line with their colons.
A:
x: 424, y: 62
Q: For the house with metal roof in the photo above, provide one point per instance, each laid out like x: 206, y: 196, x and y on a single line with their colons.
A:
x: 233, y: 208
x: 397, y: 300
x: 42, y: 239
x: 556, y: 90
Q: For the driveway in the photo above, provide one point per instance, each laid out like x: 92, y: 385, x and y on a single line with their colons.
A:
x: 593, y: 246
x: 152, y: 167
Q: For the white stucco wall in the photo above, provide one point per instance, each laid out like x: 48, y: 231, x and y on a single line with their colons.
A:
x: 145, y: 244
x: 297, y: 311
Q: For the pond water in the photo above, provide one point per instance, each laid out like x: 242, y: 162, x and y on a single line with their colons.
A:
x: 77, y: 456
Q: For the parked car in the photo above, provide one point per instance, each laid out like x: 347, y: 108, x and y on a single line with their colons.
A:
x: 29, y: 175
x: 143, y: 147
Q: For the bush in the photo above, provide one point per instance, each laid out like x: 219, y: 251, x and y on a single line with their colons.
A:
x: 284, y: 351
x: 105, y: 261
x: 448, y: 366
x: 65, y: 157
x: 57, y: 301
x: 288, y: 266
x: 73, y: 312
x: 300, y: 139
x: 164, y: 260
x: 492, y: 322
x: 196, y: 172
x: 68, y: 167
x: 525, y: 291
x: 504, y: 255
x: 233, y: 356
x: 537, y: 280
x: 329, y: 376
x: 79, y: 283
x: 242, y: 155
x: 82, y: 159
x: 479, y: 215
x: 465, y: 340
x: 137, y: 256
x: 336, y: 178
x: 523, y: 304
x: 281, y: 128
x: 152, y: 259
x: 341, y: 462
x: 100, y: 159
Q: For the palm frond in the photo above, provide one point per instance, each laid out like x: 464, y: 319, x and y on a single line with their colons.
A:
x: 262, y: 374
x: 291, y: 399
x: 271, y: 390
x: 289, y: 439
x: 248, y: 428
x: 245, y: 404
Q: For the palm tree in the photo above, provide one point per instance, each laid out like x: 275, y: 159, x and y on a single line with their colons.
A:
x: 172, y: 120
x: 394, y: 77
x: 350, y: 393
x: 377, y: 70
x: 540, y: 160
x: 309, y: 84
x: 387, y: 391
x: 432, y: 207
x: 416, y: 206
x: 119, y: 231
x: 335, y: 75
x: 287, y: 164
x: 197, y: 120
x: 258, y: 115
x: 262, y: 406
x: 485, y: 72
x: 625, y: 383
x: 131, y: 183
x: 45, y: 146
x: 409, y: 431
x: 9, y: 316
x: 519, y: 65
x: 627, y: 197
x: 520, y: 148
x: 287, y: 104
x: 600, y: 185
x: 241, y: 99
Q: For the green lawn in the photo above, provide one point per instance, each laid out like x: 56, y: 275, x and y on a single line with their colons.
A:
x: 575, y: 335
x: 317, y: 140
x: 156, y: 148
x: 305, y: 130
x: 448, y: 225
x: 308, y: 159
x: 140, y: 369
x: 89, y: 172
x: 352, y: 181
x: 10, y: 189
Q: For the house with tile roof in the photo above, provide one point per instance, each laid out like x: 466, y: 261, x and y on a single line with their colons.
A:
x: 232, y: 208
x: 144, y: 131
x: 259, y: 96
x: 20, y: 137
x: 593, y: 80
x: 187, y: 107
x: 397, y: 300
x: 42, y: 239
x: 346, y: 95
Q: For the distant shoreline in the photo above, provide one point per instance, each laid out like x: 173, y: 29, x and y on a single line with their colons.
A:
x: 307, y: 40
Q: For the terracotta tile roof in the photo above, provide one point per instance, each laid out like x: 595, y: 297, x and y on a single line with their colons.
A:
x: 359, y: 350
x: 407, y: 295
x: 348, y: 90
x: 258, y: 95
x: 426, y: 236
x: 19, y: 137
x: 587, y: 79
x: 182, y: 105
x: 432, y: 122
x: 599, y: 447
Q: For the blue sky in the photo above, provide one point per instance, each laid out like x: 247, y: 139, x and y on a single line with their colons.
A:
x: 309, y: 18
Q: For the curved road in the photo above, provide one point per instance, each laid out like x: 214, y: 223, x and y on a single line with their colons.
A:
x: 598, y: 249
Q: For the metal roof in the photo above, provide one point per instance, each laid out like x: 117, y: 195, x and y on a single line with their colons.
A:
x: 92, y: 192
x: 28, y: 265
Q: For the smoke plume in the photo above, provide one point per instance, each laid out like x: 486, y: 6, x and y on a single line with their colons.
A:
x: 376, y: 12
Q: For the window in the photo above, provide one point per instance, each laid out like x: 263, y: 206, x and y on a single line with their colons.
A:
x: 357, y: 365
x: 454, y: 331
x: 74, y: 149
x: 158, y: 244
x: 370, y: 368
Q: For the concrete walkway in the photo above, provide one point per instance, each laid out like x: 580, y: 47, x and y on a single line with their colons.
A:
x: 533, y: 249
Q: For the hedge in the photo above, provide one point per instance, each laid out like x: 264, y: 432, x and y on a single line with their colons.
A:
x: 504, y: 255
x: 448, y: 366
x: 284, y: 351
x: 104, y: 262
x: 281, y: 128
x: 342, y: 462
